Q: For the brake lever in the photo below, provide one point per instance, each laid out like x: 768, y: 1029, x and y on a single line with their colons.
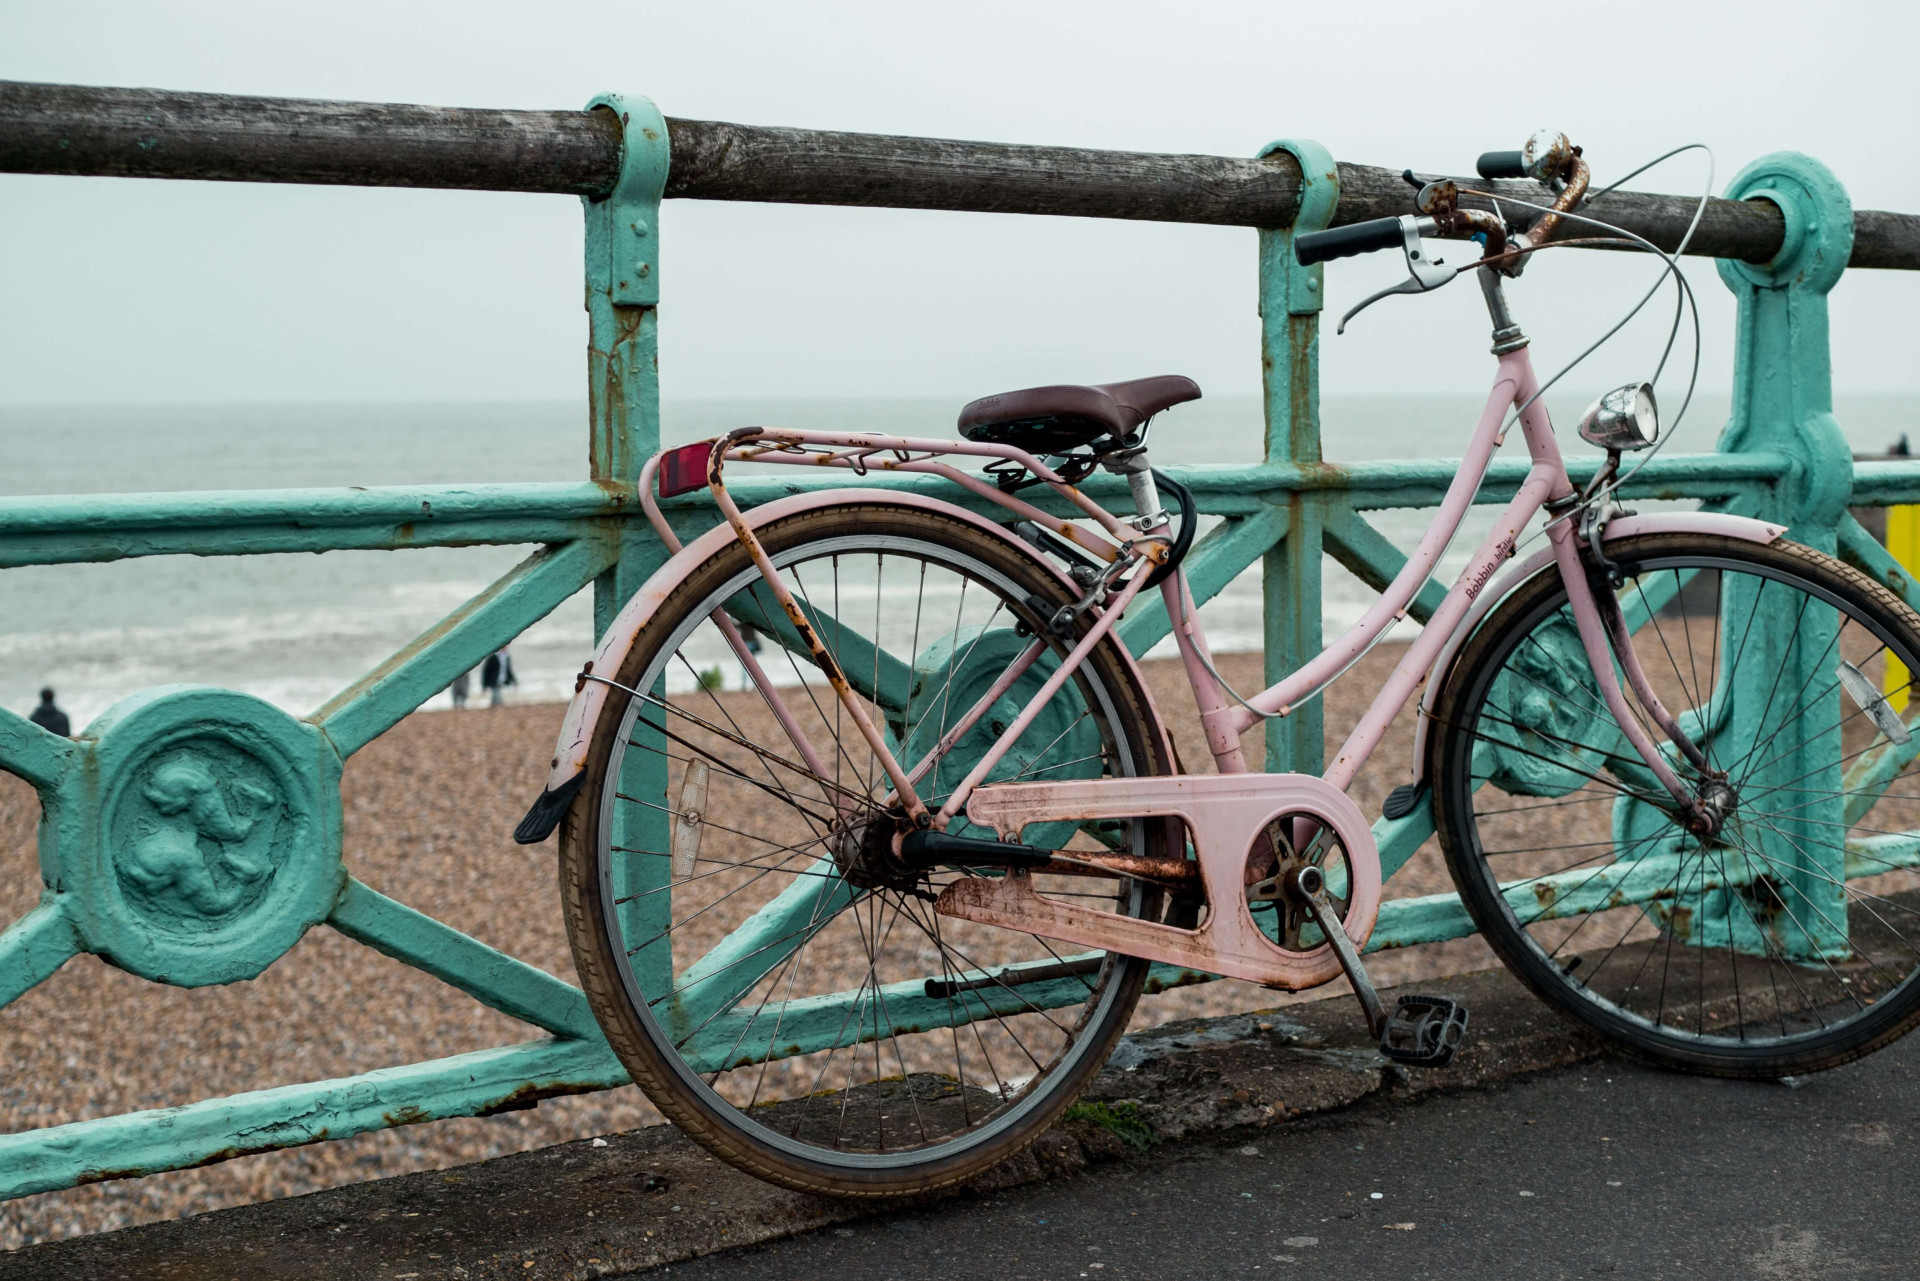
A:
x: 1423, y: 273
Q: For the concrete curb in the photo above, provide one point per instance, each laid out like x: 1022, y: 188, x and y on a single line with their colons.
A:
x: 605, y: 1207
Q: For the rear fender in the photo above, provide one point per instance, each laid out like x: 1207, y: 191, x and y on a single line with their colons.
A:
x: 1742, y: 527
x: 591, y: 697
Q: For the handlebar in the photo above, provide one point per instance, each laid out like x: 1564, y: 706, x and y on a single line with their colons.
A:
x: 1345, y: 242
x: 1502, y: 164
x: 1547, y: 157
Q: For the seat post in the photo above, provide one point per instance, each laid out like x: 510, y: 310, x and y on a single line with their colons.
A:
x: 1132, y: 463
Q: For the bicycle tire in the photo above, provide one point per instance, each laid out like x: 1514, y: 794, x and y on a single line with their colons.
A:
x: 599, y: 948
x: 1471, y: 713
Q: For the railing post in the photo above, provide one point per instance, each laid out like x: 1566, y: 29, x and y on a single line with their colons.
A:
x: 1291, y: 297
x: 1783, y: 403
x: 623, y: 391
x: 623, y: 293
x: 1782, y: 370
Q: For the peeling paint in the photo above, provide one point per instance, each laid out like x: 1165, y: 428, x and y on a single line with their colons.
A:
x: 1780, y: 429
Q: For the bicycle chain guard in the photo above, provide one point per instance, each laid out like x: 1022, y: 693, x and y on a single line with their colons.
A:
x: 1225, y: 815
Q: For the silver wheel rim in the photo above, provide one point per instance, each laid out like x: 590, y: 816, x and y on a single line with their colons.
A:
x: 1029, y: 1099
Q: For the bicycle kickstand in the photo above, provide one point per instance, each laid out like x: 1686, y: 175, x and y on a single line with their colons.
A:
x: 1422, y: 1031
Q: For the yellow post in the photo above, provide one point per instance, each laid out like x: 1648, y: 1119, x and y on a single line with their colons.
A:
x: 1903, y: 540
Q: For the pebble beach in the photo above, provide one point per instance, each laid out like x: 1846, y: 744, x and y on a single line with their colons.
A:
x: 428, y: 812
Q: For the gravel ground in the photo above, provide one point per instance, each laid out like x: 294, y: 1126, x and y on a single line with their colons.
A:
x: 428, y: 812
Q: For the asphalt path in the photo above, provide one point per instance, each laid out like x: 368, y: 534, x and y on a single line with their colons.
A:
x: 1605, y: 1170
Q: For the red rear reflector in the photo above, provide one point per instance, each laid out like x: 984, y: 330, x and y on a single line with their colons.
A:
x: 684, y: 470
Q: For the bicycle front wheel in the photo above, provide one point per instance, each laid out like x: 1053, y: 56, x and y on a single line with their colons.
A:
x: 772, y: 977
x: 1788, y: 940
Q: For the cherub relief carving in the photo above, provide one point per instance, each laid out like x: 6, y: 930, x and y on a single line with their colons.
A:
x: 203, y: 848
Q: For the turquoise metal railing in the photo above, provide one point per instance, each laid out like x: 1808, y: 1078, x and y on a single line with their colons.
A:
x: 111, y: 890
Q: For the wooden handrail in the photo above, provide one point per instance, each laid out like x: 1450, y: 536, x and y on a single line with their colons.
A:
x: 156, y: 133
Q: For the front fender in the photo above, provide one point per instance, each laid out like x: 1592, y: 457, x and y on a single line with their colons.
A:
x: 590, y: 697
x: 1742, y: 527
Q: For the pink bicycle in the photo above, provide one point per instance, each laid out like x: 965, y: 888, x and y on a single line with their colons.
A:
x: 872, y: 830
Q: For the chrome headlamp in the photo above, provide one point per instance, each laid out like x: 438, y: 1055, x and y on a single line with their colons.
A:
x: 1623, y: 420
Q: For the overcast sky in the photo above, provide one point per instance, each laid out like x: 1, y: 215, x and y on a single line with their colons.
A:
x: 141, y: 291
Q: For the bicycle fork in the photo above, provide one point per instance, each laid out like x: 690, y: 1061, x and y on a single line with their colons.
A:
x: 1602, y: 626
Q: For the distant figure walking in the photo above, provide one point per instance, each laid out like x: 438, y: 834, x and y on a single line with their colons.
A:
x: 496, y: 674
x: 751, y: 636
x: 461, y: 684
x: 50, y: 718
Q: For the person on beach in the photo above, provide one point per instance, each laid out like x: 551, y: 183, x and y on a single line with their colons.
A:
x: 496, y: 674
x: 50, y: 718
x: 461, y: 684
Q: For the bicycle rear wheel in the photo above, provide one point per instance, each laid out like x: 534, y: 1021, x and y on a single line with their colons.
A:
x: 785, y: 993
x: 1788, y: 941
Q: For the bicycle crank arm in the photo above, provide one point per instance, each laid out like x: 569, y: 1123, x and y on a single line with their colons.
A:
x: 1422, y: 1031
x: 1309, y: 886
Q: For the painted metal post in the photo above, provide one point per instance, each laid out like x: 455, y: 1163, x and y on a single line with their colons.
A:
x: 623, y: 296
x: 1783, y: 403
x: 1291, y: 297
x: 623, y: 390
x: 1782, y: 371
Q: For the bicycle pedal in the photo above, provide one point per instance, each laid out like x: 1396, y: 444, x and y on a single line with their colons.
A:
x: 1424, y: 1031
x: 1403, y: 800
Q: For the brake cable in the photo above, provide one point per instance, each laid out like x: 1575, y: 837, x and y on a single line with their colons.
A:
x: 1685, y: 303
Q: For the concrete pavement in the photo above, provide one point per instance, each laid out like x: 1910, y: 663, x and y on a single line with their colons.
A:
x: 1583, y: 1166
x: 1602, y: 1169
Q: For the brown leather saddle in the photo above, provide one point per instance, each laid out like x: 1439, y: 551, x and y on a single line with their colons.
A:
x: 1055, y: 420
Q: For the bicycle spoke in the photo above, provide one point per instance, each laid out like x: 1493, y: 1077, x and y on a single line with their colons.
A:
x: 800, y: 946
x: 1742, y: 943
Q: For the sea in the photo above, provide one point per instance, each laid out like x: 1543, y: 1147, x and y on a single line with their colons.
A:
x: 296, y: 628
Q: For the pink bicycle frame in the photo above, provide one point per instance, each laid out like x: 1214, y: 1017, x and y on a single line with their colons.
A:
x: 1228, y: 943
x: 1223, y: 720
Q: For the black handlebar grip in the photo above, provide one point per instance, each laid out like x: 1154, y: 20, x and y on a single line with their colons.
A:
x: 1502, y: 164
x: 1344, y: 242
